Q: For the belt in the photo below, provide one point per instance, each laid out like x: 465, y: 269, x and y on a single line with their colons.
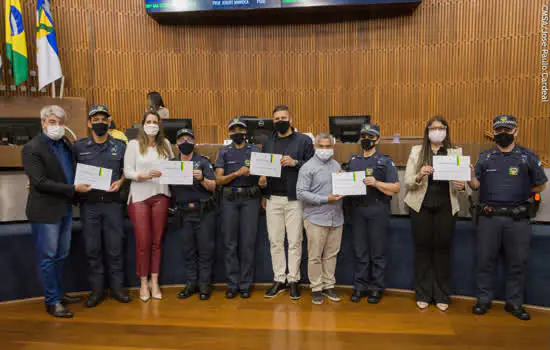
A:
x: 100, y: 197
x: 518, y: 212
x: 231, y: 193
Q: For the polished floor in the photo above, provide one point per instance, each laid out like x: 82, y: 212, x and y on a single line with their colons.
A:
x: 276, y: 324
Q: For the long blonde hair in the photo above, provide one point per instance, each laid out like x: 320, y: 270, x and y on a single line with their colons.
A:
x: 160, y: 139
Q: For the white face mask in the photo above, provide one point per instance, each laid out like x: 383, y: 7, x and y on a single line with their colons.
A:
x: 324, y: 154
x: 151, y: 129
x: 437, y: 136
x: 55, y: 132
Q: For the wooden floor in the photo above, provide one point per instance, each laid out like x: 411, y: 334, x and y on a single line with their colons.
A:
x: 276, y: 324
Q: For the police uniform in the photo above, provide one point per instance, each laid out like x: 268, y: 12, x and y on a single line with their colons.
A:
x: 196, y: 209
x: 240, y: 212
x: 505, y: 180
x: 102, y: 213
x: 370, y: 219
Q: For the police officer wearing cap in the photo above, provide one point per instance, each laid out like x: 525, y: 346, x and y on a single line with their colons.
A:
x: 196, y: 208
x: 371, y: 215
x: 102, y: 211
x: 507, y: 176
x: 240, y: 209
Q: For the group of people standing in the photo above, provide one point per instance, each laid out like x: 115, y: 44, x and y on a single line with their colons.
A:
x: 302, y: 197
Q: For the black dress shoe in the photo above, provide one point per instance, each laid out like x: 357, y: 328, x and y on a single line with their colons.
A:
x: 245, y: 294
x: 357, y: 294
x: 294, y: 291
x: 59, y: 310
x: 375, y: 296
x: 518, y: 311
x: 120, y: 296
x: 67, y: 299
x: 276, y: 289
x: 188, y: 291
x: 94, y: 299
x: 231, y: 293
x: 481, y: 308
x: 204, y: 293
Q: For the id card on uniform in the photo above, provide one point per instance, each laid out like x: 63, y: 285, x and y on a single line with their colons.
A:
x: 265, y: 164
x: 448, y: 168
x: 98, y: 178
x: 174, y: 172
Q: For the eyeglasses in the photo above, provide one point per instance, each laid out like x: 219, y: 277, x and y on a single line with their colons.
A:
x: 438, y: 128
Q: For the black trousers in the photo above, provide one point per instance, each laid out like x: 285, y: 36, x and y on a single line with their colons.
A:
x: 514, y: 237
x: 433, y: 229
x: 370, y: 237
x: 198, y: 241
x: 239, y: 219
x: 103, y: 234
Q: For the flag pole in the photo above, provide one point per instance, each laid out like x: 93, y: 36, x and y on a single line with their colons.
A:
x: 53, y: 89
x: 62, y: 86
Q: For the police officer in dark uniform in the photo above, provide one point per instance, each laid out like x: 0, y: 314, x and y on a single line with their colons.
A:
x: 240, y: 209
x: 196, y: 207
x: 102, y: 211
x: 371, y: 215
x: 507, y: 177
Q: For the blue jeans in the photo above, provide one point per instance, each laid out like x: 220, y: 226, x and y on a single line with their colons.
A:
x: 52, y: 244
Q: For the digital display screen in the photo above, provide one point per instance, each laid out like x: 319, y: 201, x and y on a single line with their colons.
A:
x: 176, y: 6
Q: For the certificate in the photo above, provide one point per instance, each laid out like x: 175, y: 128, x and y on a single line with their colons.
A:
x: 448, y: 168
x: 174, y: 173
x: 265, y: 164
x: 98, y: 178
x: 349, y: 184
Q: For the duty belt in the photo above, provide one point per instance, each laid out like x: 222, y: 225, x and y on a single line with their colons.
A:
x: 232, y: 193
x: 202, y: 206
x: 518, y: 212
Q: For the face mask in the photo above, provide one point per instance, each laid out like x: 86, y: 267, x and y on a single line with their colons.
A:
x: 324, y: 154
x: 238, y: 138
x: 437, y: 136
x: 151, y: 129
x: 55, y: 132
x: 186, y: 147
x: 367, y: 144
x: 504, y: 139
x: 282, y: 126
x: 100, y: 129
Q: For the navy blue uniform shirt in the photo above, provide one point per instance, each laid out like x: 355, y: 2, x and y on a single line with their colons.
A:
x: 109, y: 154
x: 507, y: 178
x: 193, y: 193
x: 379, y: 166
x: 231, y: 159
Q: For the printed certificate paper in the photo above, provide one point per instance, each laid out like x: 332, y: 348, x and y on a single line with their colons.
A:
x: 265, y: 164
x: 349, y: 184
x: 174, y: 173
x: 97, y: 178
x: 447, y: 168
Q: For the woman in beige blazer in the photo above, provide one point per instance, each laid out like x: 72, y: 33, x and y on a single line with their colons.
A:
x: 434, y: 205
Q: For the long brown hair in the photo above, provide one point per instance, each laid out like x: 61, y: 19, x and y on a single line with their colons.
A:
x: 160, y: 139
x: 426, y: 154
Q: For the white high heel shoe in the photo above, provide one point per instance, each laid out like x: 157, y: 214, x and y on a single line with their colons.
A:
x: 145, y: 297
x: 442, y: 306
x: 157, y: 296
x: 422, y: 305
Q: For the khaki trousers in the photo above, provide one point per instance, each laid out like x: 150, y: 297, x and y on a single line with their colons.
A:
x: 285, y: 217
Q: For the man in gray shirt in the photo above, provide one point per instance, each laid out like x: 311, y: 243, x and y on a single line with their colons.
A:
x: 323, y: 217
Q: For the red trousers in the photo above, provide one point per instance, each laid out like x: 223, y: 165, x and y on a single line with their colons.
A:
x: 149, y: 220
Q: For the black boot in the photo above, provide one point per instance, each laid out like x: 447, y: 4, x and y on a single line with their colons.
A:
x: 517, y: 311
x: 67, y: 299
x: 94, y: 299
x: 357, y: 294
x: 59, y: 310
x: 375, y: 296
x: 188, y: 291
x: 245, y: 293
x: 276, y: 289
x: 205, y: 292
x: 481, y: 308
x: 121, y: 296
x: 231, y: 293
x: 294, y: 291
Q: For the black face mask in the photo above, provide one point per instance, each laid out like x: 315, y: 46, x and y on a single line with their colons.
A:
x: 367, y: 144
x: 100, y: 129
x: 186, y: 147
x: 504, y: 139
x: 282, y: 126
x: 237, y: 138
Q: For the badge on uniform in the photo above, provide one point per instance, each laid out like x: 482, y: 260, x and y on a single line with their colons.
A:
x: 368, y: 171
x: 513, y: 171
x: 196, y: 165
x: 247, y: 162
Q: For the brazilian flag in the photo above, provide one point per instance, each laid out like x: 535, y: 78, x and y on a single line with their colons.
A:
x: 16, y: 42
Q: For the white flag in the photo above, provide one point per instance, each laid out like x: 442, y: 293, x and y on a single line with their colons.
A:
x: 49, y: 66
